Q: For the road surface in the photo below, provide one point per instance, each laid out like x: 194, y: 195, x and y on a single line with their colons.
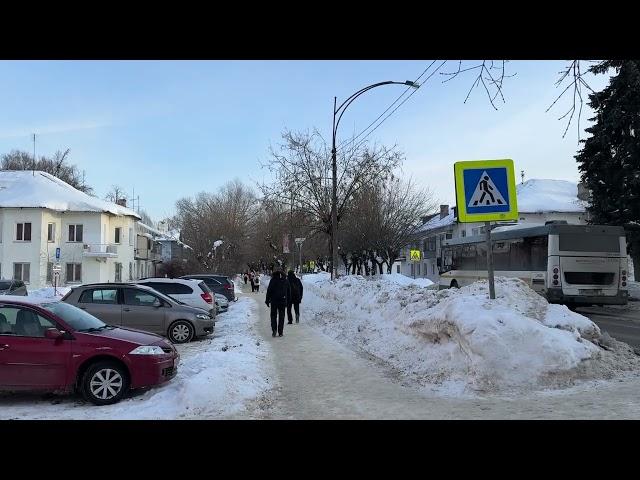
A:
x: 622, y: 322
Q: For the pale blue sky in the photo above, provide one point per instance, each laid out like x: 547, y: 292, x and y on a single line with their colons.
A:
x: 174, y: 128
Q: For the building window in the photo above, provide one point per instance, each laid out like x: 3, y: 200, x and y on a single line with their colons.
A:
x: 75, y: 233
x: 23, y: 232
x: 118, y: 272
x: 74, y: 272
x: 22, y: 271
x: 449, y: 236
x: 397, y: 268
x: 433, y: 269
x: 51, y: 232
x: 130, y: 271
x: 131, y: 237
x: 148, y: 244
x: 418, y: 268
x: 475, y: 231
x: 464, y: 233
x: 117, y: 235
x: 49, y: 271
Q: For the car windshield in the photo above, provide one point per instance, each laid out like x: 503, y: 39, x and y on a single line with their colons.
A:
x: 5, y: 284
x: 76, y: 318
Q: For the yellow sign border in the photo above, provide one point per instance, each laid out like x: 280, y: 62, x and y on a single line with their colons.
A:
x: 463, y: 216
x: 411, y: 255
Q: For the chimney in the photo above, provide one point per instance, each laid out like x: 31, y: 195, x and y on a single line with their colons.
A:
x: 122, y: 202
x: 444, y: 211
x: 583, y: 192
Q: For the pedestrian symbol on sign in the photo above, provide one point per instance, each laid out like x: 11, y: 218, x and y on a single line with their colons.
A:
x: 486, y: 193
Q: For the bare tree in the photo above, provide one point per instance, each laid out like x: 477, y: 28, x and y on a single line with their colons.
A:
x: 302, y: 169
x: 57, y: 166
x: 116, y: 193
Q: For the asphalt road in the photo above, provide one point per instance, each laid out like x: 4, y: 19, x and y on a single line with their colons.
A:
x: 622, y: 322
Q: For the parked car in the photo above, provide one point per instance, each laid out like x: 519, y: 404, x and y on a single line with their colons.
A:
x: 190, y: 292
x: 143, y: 308
x: 221, y: 302
x: 12, y: 287
x: 49, y: 345
x: 217, y: 283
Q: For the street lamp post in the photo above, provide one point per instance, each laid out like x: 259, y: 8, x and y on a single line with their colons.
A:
x: 334, y: 197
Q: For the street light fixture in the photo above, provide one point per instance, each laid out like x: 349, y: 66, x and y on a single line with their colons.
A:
x: 334, y: 200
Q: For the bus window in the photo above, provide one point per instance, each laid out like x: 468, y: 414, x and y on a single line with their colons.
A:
x: 593, y: 242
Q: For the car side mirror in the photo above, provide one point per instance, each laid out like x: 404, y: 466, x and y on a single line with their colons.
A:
x: 53, y: 333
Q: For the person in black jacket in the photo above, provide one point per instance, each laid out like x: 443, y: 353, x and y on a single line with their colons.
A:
x: 296, y: 297
x: 278, y: 295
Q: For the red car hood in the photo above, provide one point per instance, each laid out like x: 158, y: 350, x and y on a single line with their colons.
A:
x: 130, y: 335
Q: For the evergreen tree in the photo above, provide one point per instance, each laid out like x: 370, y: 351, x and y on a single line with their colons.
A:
x: 609, y: 161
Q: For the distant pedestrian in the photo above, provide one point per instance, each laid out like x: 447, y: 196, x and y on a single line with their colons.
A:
x: 278, y: 295
x: 253, y: 285
x: 296, y: 297
x: 246, y: 278
x: 256, y: 282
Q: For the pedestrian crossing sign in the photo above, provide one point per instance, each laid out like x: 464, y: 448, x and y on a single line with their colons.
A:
x: 485, y: 191
x: 414, y: 255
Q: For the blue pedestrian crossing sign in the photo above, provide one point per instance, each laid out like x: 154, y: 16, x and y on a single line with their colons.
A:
x: 485, y: 191
x: 58, y: 253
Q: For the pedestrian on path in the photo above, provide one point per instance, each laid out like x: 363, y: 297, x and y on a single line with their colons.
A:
x: 278, y: 295
x: 253, y: 285
x: 256, y: 281
x: 246, y: 278
x: 296, y: 297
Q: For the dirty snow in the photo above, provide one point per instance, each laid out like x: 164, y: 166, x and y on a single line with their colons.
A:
x: 216, y: 377
x: 24, y: 189
x: 457, y: 342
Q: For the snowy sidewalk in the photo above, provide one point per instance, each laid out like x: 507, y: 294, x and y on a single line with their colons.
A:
x: 318, y: 378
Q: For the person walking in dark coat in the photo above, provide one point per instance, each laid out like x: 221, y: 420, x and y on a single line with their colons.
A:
x: 253, y: 285
x: 296, y: 296
x: 278, y: 295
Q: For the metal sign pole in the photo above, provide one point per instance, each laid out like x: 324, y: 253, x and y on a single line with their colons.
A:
x: 492, y: 288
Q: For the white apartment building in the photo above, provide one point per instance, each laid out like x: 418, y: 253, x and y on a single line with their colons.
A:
x: 40, y: 213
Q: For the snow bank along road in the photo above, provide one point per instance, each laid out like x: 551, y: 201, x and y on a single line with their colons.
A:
x: 319, y: 377
x: 216, y: 376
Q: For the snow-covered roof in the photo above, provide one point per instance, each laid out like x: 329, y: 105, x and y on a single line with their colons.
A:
x: 27, y: 189
x: 545, y: 195
x: 437, y: 222
x: 161, y: 236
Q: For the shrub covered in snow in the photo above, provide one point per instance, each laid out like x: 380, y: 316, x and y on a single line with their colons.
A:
x: 459, y: 340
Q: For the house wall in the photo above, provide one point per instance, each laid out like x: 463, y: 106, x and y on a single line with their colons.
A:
x: 98, y: 228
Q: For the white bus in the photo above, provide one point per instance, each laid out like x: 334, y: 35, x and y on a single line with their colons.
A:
x: 571, y: 264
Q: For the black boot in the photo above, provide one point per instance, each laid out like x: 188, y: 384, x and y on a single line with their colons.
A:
x: 273, y: 334
x: 297, y: 318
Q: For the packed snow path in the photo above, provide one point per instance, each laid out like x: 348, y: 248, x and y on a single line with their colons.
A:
x: 318, y: 378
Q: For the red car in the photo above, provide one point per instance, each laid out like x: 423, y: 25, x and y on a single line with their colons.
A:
x: 50, y: 345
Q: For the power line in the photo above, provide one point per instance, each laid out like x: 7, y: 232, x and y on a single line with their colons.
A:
x: 393, y: 111
x: 388, y: 108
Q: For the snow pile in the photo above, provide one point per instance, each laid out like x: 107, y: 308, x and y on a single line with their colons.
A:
x: 634, y: 290
x: 400, y: 279
x: 49, y: 292
x: 458, y: 341
x: 216, y: 377
x: 42, y: 190
x: 544, y: 195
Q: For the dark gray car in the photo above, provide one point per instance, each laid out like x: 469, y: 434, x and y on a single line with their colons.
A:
x: 142, y: 308
x: 217, y: 283
x: 12, y: 287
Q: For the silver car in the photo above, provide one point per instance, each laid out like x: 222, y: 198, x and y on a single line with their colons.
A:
x: 221, y: 303
x: 142, y: 308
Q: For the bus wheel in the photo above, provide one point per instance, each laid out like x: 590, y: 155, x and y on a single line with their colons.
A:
x: 454, y: 284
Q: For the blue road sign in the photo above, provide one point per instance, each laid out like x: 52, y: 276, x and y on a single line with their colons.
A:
x: 58, y: 253
x: 485, y: 190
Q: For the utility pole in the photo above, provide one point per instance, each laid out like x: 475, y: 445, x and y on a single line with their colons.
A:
x: 33, y: 171
x: 522, y: 175
x: 293, y: 250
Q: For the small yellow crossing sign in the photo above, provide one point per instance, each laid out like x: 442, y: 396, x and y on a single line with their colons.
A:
x: 414, y: 255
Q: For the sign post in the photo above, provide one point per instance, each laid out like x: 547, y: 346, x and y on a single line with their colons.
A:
x: 299, y: 241
x: 56, y: 268
x: 486, y: 192
x: 414, y: 255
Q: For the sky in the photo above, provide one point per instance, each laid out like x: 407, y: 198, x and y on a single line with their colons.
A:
x: 170, y: 129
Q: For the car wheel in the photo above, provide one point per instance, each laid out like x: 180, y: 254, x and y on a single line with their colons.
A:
x: 454, y: 284
x: 181, y: 332
x: 104, y: 383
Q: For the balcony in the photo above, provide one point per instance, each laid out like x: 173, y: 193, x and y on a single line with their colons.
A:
x: 100, y: 250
